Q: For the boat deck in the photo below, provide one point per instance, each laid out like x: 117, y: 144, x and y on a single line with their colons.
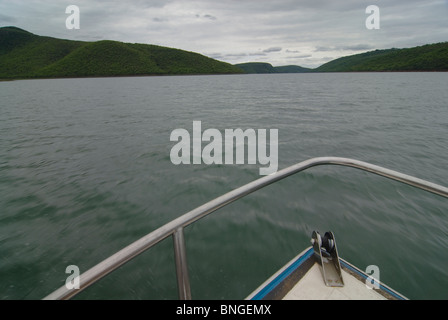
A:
x: 312, y: 287
x: 301, y: 279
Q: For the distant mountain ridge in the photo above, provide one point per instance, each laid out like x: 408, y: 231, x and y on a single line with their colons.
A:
x: 263, y: 67
x: 430, y: 57
x: 26, y: 55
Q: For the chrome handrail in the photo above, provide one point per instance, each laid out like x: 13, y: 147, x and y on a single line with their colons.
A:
x: 175, y: 227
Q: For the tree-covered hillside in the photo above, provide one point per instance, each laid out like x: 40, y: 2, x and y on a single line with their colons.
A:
x: 263, y: 67
x: 431, y: 57
x: 25, y: 55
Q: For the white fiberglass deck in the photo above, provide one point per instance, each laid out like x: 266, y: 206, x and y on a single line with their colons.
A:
x: 312, y: 287
x: 301, y: 279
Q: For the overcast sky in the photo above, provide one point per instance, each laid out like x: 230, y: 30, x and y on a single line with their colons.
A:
x: 281, y: 32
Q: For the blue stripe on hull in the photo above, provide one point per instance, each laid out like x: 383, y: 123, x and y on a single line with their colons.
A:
x: 277, y: 280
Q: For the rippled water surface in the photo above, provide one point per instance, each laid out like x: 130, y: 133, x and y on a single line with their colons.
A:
x: 85, y: 170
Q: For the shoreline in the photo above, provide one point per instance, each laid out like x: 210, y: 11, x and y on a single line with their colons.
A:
x: 121, y: 76
x: 213, y: 74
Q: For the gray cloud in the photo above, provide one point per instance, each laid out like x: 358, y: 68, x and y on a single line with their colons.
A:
x: 236, y: 55
x: 303, y: 56
x: 356, y: 47
x: 7, y: 19
x: 209, y: 16
x: 157, y: 19
x: 272, y: 49
x: 237, y: 31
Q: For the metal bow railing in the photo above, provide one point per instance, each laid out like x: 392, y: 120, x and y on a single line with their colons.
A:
x: 175, y: 228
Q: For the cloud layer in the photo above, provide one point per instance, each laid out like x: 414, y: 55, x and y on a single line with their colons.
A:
x: 282, y: 32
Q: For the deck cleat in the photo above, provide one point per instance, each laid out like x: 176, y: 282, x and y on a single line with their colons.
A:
x: 326, y: 255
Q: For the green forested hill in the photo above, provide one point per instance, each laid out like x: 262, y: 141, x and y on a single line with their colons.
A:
x: 292, y: 69
x: 25, y: 55
x: 431, y: 57
x: 262, y: 67
x: 256, y: 67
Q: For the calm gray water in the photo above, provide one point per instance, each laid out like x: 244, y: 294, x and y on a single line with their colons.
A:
x: 85, y: 170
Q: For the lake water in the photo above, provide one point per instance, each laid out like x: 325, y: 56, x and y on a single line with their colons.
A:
x: 85, y: 170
